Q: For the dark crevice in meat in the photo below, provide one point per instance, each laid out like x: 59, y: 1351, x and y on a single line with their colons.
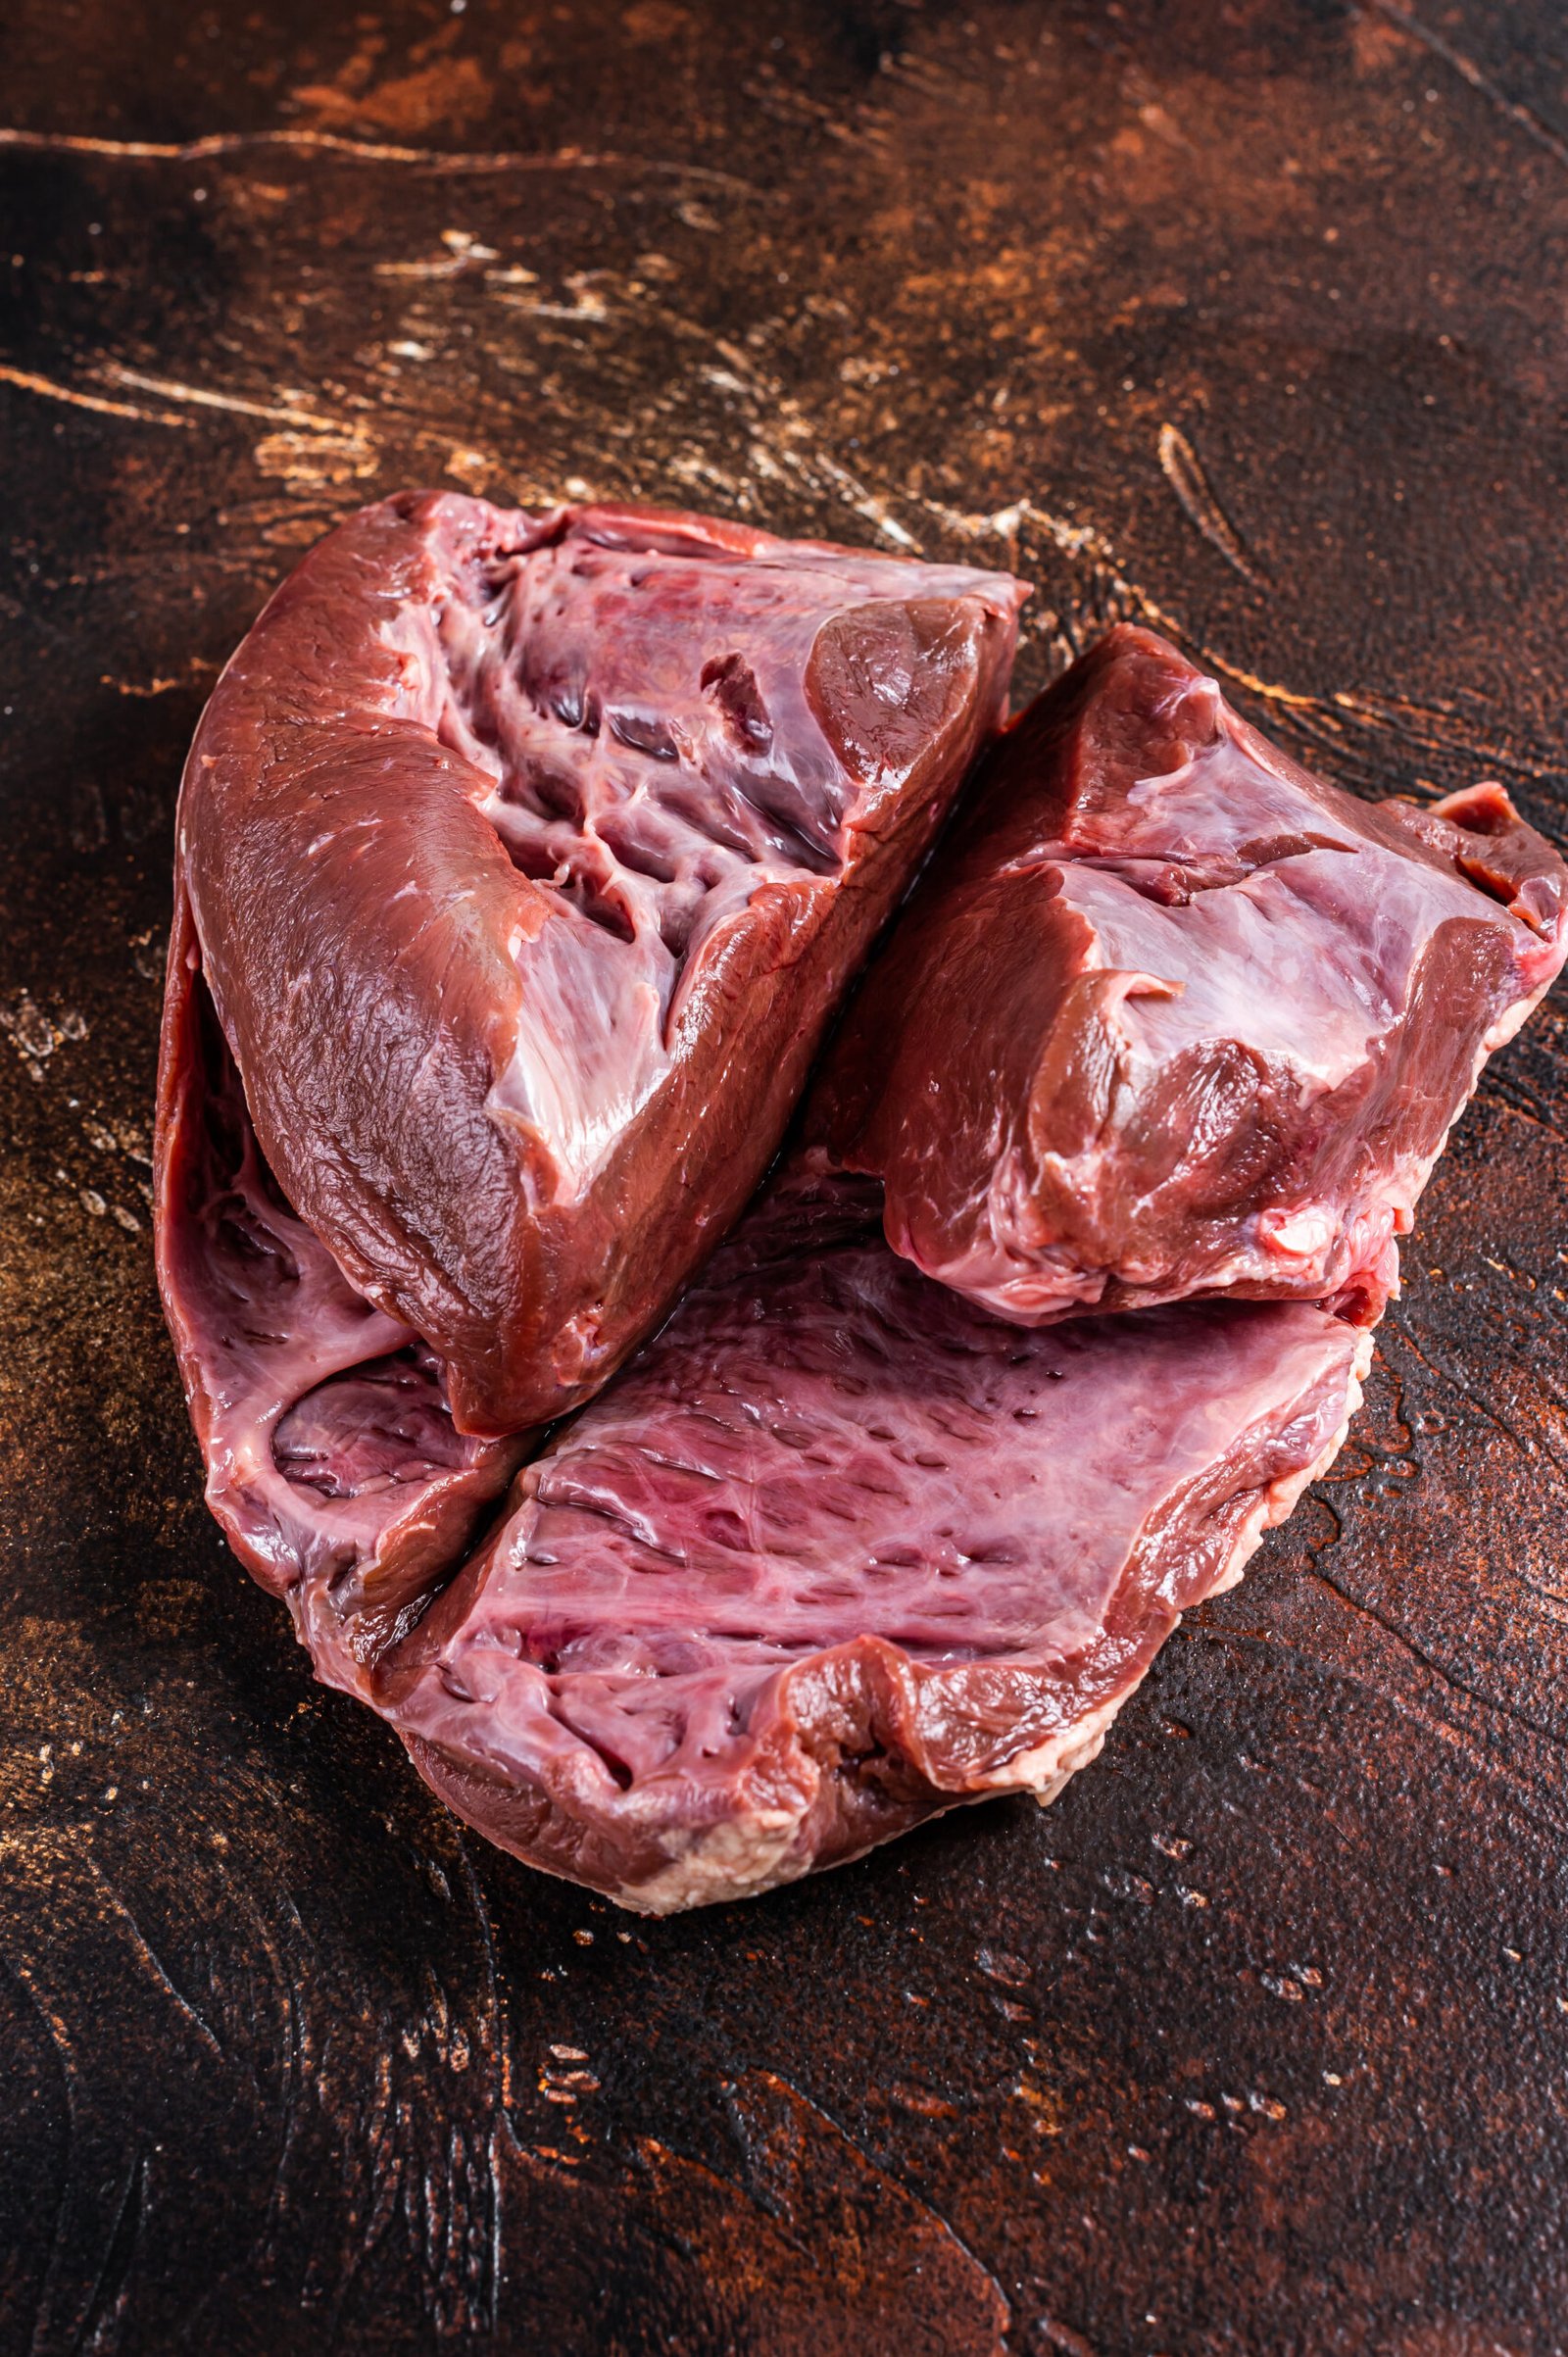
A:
x: 1190, y: 1020
x: 381, y: 1424
x: 1479, y: 832
x: 732, y: 683
x: 1174, y: 883
x: 840, y: 1548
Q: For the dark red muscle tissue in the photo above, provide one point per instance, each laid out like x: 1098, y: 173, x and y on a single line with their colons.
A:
x: 1190, y: 1021
x: 523, y: 862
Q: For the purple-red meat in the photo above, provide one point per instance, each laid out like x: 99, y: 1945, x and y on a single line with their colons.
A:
x: 839, y: 1549
x: 1189, y: 1020
x: 524, y: 858
x: 332, y: 1460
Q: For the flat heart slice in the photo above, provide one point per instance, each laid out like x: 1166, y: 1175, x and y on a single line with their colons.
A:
x: 840, y: 1550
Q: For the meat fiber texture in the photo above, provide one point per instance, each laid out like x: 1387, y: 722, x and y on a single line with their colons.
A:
x: 840, y: 1550
x: 840, y: 1547
x: 524, y: 858
x: 1191, y: 1021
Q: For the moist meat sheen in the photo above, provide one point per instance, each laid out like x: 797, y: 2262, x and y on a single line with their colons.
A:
x: 332, y: 1460
x: 1191, y: 1021
x: 840, y: 1550
x: 523, y: 859
x: 507, y: 973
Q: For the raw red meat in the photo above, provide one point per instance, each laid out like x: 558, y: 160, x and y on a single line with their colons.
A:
x: 839, y: 1549
x: 332, y: 1461
x: 1191, y: 1021
x: 520, y: 966
x: 526, y: 857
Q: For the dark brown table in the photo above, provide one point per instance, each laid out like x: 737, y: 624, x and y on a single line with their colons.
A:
x: 1245, y: 317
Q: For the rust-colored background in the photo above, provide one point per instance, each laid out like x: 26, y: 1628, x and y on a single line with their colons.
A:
x: 1247, y: 316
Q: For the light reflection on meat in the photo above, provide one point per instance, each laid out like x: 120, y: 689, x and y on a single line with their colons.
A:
x: 523, y: 862
x: 839, y: 1549
x: 1190, y: 1021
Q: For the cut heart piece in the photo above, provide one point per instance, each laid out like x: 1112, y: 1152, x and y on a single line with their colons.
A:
x: 840, y: 1550
x: 1171, y: 1030
x: 1191, y: 1021
x: 524, y: 858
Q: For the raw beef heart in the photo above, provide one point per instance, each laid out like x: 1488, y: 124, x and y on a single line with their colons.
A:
x: 524, y: 858
x: 332, y: 1460
x: 1191, y: 1021
x: 839, y: 1549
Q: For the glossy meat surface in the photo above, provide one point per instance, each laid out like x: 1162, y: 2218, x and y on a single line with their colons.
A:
x: 1191, y: 1021
x: 526, y: 857
x: 839, y: 1549
x: 332, y: 1461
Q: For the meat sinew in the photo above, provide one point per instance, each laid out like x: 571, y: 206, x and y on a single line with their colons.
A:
x: 840, y: 1550
x: 524, y: 858
x: 1191, y: 1021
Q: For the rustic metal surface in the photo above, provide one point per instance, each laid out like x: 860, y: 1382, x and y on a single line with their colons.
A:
x: 1243, y: 316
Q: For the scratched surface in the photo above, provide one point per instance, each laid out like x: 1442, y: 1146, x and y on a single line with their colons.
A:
x: 1241, y: 316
